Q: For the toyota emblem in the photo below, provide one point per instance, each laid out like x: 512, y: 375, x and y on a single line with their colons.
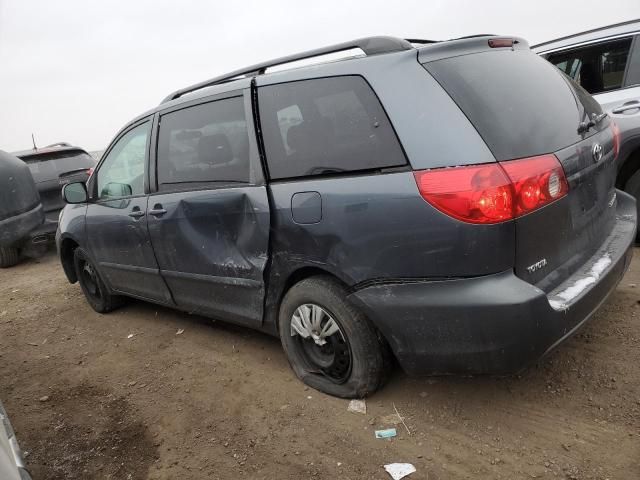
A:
x: 596, y: 151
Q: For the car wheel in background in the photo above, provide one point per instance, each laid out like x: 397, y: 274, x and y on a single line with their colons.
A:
x: 92, y: 285
x: 632, y: 187
x: 330, y: 345
x: 9, y: 256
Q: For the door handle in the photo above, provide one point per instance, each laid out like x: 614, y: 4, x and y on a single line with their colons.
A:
x: 157, y: 211
x: 624, y: 108
x: 136, y: 213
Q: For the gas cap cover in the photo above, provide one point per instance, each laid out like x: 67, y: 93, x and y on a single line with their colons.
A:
x: 306, y: 207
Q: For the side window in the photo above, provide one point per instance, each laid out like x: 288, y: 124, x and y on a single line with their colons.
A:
x: 203, y: 144
x: 122, y: 172
x: 597, y: 68
x: 326, y: 125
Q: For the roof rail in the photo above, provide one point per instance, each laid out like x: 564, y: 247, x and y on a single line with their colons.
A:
x: 593, y: 30
x: 369, y: 45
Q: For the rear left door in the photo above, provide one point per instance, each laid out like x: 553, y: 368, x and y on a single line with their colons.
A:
x: 209, y: 214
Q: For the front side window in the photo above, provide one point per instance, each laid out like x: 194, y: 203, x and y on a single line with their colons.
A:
x: 122, y: 172
x: 597, y: 68
x: 326, y: 125
x: 203, y: 144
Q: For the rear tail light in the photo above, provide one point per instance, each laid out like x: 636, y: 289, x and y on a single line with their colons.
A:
x: 616, y: 139
x: 90, y: 171
x: 537, y: 181
x: 475, y: 194
x: 494, y: 192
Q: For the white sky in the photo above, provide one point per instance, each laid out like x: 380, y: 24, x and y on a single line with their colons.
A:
x: 78, y: 70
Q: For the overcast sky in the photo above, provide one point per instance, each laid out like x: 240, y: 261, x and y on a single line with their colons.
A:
x: 77, y: 70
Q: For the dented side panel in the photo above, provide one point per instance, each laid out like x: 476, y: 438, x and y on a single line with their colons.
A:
x: 212, y: 248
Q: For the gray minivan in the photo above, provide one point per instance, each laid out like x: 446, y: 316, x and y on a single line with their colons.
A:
x: 447, y: 204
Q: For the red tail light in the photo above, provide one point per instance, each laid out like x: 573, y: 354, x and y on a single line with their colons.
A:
x: 501, y: 42
x: 537, y: 181
x: 494, y: 192
x: 616, y: 139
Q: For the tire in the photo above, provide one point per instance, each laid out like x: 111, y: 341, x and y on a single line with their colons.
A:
x: 9, y: 256
x: 323, y: 366
x: 632, y: 187
x: 92, y: 286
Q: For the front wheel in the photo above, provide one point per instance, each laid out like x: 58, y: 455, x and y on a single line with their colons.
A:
x: 330, y: 345
x: 92, y: 285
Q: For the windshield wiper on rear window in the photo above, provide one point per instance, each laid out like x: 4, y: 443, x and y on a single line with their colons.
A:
x: 595, y: 119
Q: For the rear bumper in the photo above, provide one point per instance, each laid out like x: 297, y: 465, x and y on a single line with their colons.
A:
x: 14, y: 230
x: 496, y: 323
x: 45, y: 234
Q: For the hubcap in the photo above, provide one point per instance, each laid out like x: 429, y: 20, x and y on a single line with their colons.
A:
x: 90, y: 279
x: 312, y: 321
x: 321, y: 342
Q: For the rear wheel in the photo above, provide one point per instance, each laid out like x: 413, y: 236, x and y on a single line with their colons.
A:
x: 632, y: 187
x: 92, y: 285
x: 331, y: 346
x: 9, y: 256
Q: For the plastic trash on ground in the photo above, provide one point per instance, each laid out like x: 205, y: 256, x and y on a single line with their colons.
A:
x: 388, y: 433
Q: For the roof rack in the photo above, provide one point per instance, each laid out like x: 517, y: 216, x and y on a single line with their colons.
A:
x: 369, y: 45
x: 593, y: 30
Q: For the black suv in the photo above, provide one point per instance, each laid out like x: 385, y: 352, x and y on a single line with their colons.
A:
x: 451, y: 204
x: 52, y: 167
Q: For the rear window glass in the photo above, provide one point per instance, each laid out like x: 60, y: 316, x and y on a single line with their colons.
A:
x: 203, y: 144
x: 520, y: 104
x: 326, y: 125
x: 57, y: 165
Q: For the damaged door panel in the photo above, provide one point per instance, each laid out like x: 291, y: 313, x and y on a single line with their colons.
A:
x: 209, y: 219
x: 211, y: 247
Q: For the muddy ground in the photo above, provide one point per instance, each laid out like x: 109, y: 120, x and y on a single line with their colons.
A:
x: 218, y: 401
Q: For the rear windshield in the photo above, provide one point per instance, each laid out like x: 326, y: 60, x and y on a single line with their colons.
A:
x: 54, y: 165
x: 520, y: 104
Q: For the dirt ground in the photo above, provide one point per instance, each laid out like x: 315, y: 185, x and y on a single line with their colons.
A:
x: 220, y: 402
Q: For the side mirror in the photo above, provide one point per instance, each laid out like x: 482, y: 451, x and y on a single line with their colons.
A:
x: 75, y: 192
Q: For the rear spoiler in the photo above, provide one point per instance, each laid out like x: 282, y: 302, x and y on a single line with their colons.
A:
x: 466, y: 46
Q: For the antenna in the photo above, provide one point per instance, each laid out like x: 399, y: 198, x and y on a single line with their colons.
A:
x: 33, y: 139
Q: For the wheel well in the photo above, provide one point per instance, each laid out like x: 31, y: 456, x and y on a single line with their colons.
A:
x: 630, y: 166
x: 67, y: 249
x: 306, y: 272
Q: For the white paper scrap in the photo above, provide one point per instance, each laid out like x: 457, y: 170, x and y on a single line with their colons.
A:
x: 399, y: 470
x: 357, y: 406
